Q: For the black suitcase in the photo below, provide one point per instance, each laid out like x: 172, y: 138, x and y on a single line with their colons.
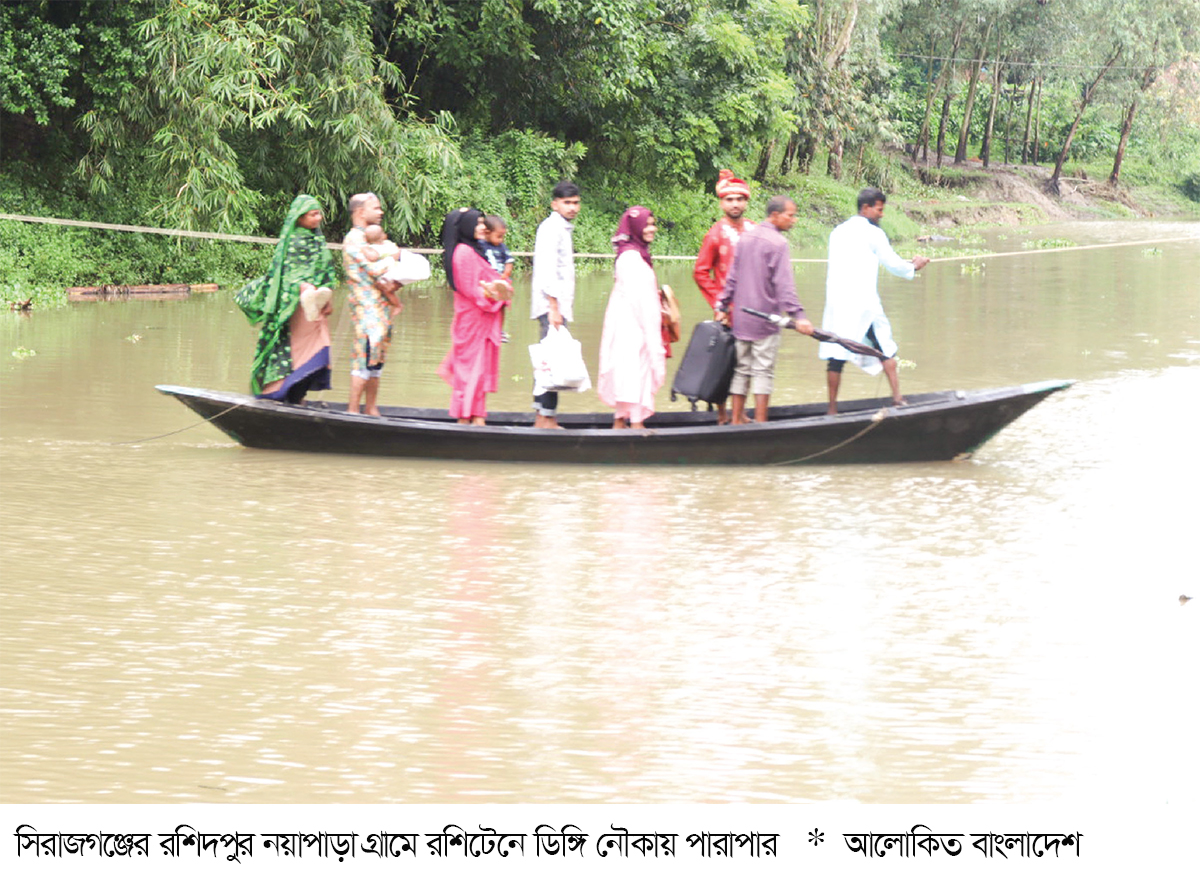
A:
x: 707, y: 366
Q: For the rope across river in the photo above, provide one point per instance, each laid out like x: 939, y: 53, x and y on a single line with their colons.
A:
x: 336, y: 246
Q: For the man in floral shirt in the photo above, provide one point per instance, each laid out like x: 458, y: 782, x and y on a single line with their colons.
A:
x: 369, y: 306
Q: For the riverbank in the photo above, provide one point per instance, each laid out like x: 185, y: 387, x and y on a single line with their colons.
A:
x: 926, y: 203
x: 1016, y: 194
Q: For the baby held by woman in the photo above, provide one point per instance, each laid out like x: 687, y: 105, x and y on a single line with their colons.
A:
x: 403, y: 267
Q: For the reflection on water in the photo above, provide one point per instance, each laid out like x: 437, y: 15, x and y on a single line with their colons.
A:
x: 186, y: 620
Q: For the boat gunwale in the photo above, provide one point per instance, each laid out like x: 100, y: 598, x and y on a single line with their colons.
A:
x: 598, y: 424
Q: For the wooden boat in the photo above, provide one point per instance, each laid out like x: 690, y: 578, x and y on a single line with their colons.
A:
x: 932, y: 427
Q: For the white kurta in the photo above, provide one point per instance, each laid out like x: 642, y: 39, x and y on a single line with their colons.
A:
x: 632, y: 355
x: 857, y: 248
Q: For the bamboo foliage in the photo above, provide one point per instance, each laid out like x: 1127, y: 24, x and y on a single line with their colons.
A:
x: 249, y: 99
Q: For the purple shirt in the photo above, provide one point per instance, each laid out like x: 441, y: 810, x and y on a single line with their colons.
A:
x: 761, y: 278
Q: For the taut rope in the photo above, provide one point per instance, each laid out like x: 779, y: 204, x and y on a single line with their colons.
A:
x: 337, y: 246
x: 180, y: 430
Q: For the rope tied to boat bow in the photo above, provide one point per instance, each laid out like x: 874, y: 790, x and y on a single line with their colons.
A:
x: 181, y: 429
x: 876, y: 420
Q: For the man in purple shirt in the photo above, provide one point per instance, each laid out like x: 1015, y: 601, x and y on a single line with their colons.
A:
x: 761, y: 278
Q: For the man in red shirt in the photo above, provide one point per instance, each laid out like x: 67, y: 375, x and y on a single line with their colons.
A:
x: 716, y: 251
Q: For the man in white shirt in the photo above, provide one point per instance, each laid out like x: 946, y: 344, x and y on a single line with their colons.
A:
x: 554, y: 283
x: 857, y: 248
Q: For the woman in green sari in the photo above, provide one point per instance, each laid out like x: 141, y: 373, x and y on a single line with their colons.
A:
x: 292, y: 302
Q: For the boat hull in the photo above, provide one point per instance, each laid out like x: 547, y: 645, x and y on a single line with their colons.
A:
x: 933, y: 427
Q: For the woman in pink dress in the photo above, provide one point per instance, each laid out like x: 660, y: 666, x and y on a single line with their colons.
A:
x: 472, y: 367
x: 632, y: 353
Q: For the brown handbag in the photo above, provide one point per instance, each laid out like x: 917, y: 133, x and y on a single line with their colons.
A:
x: 671, y: 318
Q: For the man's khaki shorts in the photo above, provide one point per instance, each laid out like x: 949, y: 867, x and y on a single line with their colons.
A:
x: 755, y: 366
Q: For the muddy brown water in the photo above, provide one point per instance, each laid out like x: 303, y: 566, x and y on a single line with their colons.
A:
x: 185, y: 620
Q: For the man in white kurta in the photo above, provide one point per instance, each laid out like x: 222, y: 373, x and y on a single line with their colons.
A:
x: 857, y: 248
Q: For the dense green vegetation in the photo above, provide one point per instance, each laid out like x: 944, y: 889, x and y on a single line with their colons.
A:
x: 212, y: 114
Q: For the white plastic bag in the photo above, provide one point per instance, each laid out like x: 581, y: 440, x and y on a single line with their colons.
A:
x: 558, y: 363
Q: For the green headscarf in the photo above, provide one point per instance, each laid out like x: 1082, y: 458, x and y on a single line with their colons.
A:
x: 300, y: 256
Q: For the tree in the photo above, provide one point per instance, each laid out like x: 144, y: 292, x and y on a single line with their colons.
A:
x: 672, y: 87
x: 836, y: 60
x: 247, y: 100
x: 964, y: 130
x: 36, y: 60
x: 1088, y: 95
x: 1157, y: 34
x: 936, y: 87
x: 59, y: 61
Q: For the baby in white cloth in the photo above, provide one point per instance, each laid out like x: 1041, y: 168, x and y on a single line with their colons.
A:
x: 404, y: 267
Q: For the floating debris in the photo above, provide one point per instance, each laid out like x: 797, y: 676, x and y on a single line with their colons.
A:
x: 1046, y: 243
x: 135, y: 292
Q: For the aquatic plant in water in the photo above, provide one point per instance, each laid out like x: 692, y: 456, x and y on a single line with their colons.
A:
x: 1043, y: 244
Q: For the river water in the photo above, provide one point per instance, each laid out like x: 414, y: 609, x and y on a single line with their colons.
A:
x: 185, y: 620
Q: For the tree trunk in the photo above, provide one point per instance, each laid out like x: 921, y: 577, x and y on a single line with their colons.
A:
x: 832, y: 65
x: 1037, y: 124
x: 943, y: 77
x: 997, y: 88
x: 923, y: 134
x: 1088, y: 94
x: 964, y: 130
x: 805, y: 153
x: 764, y: 161
x: 1114, y: 178
x: 1008, y: 125
x: 833, y: 166
x: 1127, y: 125
x: 941, y: 139
x: 1026, y: 154
x: 789, y: 153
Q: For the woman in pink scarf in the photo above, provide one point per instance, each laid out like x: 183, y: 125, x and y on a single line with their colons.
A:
x: 472, y: 367
x: 632, y: 354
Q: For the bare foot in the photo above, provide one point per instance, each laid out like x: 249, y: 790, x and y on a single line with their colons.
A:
x: 478, y: 422
x: 638, y: 426
x: 619, y: 424
x: 374, y: 412
x: 899, y: 401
